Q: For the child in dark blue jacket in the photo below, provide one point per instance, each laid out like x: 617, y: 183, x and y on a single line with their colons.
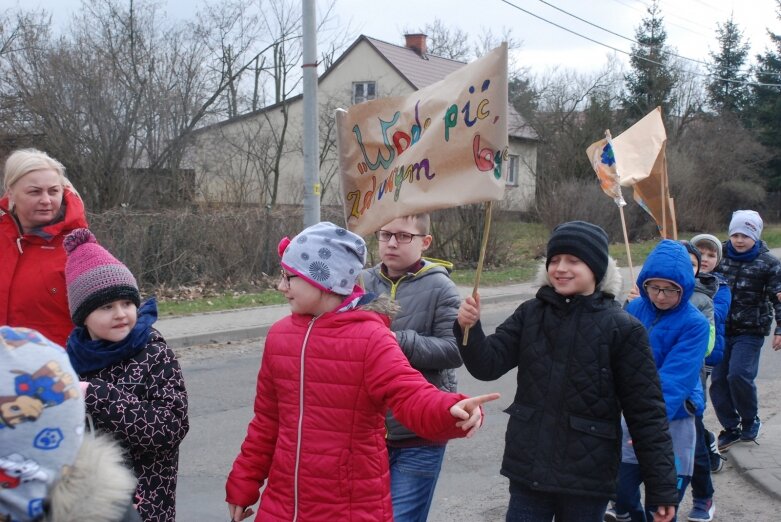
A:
x: 679, y: 336
x: 754, y: 276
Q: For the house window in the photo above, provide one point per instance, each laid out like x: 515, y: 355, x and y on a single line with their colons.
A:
x: 512, y: 170
x: 364, y: 91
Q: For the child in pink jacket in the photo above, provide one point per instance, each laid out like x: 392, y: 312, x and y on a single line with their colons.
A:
x: 330, y: 370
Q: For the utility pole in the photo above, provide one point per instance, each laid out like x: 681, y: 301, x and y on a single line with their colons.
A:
x: 311, y: 135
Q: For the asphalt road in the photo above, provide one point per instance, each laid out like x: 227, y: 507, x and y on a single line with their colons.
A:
x: 220, y: 381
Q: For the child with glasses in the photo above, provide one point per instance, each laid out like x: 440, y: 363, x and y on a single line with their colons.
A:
x: 330, y: 371
x: 679, y: 336
x: 423, y: 327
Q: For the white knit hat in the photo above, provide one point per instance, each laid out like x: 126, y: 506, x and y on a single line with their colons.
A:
x: 746, y: 222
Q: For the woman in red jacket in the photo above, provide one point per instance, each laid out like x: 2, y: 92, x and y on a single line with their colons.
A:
x: 330, y: 371
x: 38, y: 209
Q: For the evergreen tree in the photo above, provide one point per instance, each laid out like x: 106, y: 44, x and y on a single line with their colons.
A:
x: 523, y: 96
x: 652, y: 79
x: 728, y: 92
x: 766, y: 105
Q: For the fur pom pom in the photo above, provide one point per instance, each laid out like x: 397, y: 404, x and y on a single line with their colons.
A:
x: 78, y: 237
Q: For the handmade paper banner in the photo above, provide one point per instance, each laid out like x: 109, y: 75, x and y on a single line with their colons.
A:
x: 442, y: 146
x: 641, y: 160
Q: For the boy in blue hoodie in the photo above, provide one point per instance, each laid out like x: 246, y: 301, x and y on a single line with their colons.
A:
x: 679, y: 336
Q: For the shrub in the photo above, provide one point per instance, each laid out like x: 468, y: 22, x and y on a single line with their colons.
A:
x: 199, y: 245
x: 584, y: 200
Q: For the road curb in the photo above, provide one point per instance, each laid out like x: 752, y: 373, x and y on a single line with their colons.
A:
x: 218, y: 336
x: 242, y: 333
x: 503, y: 298
x: 761, y: 462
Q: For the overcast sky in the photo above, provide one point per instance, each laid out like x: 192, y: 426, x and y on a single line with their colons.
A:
x: 690, y: 24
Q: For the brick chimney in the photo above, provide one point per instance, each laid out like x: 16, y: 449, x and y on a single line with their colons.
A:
x: 416, y: 42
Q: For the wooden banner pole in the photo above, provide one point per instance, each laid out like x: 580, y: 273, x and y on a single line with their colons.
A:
x: 481, y: 258
x: 626, y: 244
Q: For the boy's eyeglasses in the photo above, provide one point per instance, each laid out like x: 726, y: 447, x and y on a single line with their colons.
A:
x: 401, y: 237
x: 287, y: 277
x: 666, y: 292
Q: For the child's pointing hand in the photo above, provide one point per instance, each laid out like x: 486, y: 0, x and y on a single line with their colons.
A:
x: 471, y: 413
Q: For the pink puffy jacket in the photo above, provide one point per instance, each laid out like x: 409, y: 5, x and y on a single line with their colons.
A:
x: 318, y: 433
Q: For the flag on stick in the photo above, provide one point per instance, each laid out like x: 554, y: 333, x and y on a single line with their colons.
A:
x: 642, y: 162
x: 603, y: 160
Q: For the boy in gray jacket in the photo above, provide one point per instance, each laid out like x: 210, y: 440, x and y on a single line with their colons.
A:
x: 423, y: 327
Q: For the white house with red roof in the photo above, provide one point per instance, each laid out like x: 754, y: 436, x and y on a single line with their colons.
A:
x: 236, y: 160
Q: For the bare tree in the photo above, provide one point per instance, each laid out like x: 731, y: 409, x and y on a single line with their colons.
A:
x: 447, y: 42
x: 689, y: 96
x: 123, y: 88
x: 274, y: 85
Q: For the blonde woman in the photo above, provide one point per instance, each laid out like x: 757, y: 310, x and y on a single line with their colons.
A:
x: 39, y: 207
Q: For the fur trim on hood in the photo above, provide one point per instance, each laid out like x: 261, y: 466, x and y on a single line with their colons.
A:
x: 381, y: 304
x: 611, y: 284
x: 98, y: 487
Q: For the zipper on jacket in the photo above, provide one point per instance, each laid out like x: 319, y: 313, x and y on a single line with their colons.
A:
x: 300, y: 418
x: 653, y: 323
x: 393, y: 285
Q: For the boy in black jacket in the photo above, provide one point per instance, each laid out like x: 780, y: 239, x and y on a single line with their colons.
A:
x: 754, y: 276
x: 581, y: 361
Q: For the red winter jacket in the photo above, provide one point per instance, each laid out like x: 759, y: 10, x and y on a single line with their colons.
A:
x: 32, y: 272
x: 318, y: 434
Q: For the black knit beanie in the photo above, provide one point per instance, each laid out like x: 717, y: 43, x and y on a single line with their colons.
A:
x: 583, y: 240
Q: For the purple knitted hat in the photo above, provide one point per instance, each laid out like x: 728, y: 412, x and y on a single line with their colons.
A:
x: 94, y: 277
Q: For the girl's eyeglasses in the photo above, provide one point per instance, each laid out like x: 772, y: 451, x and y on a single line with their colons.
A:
x: 287, y: 277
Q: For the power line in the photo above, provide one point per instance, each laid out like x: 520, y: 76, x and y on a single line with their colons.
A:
x: 633, y: 55
x: 707, y: 64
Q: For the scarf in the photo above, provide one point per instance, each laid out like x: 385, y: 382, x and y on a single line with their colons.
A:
x: 88, y: 355
x: 746, y: 256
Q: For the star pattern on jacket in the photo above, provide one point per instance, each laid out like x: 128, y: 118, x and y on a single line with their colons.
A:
x: 142, y: 402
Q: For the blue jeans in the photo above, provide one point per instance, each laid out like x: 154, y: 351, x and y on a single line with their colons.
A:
x: 527, y: 505
x: 702, y: 486
x: 732, y: 390
x: 414, y: 473
x: 628, y: 495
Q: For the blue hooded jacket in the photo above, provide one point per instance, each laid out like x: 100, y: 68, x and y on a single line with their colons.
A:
x: 721, y: 303
x: 679, y: 336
